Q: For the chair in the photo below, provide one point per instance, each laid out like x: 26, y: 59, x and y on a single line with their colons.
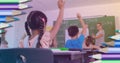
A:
x: 26, y: 55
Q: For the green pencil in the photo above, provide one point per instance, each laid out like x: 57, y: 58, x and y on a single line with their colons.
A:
x: 2, y: 31
x: 106, y: 61
x: 118, y: 31
x: 13, y: 1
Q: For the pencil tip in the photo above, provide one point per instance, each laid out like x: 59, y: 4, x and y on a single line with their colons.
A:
x: 29, y: 6
x: 90, y: 56
x: 16, y: 19
x: 23, y: 13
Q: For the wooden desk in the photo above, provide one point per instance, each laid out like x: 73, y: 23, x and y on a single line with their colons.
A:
x: 73, y: 56
x: 68, y: 56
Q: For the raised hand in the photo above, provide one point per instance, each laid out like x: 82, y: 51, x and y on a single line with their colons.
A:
x: 79, y: 16
x: 93, y: 35
x: 61, y: 4
x: 59, y: 20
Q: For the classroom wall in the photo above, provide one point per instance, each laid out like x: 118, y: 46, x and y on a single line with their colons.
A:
x: 14, y: 34
x: 106, y: 9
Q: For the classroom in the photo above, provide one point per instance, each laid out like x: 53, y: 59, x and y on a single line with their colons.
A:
x: 67, y: 13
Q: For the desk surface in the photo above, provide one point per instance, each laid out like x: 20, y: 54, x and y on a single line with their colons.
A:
x: 73, y: 54
x: 66, y: 52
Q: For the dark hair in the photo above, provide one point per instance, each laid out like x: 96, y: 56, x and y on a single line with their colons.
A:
x: 89, y: 40
x: 36, y: 21
x: 73, y: 31
x: 100, y: 24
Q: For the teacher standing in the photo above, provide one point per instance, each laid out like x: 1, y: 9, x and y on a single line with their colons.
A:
x: 99, y: 37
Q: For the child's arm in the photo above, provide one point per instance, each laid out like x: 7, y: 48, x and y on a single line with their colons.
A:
x: 21, y: 45
x: 54, y: 43
x: 59, y: 19
x: 84, y: 27
x: 98, y: 36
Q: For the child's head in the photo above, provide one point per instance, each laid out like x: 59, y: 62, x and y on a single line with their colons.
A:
x: 73, y: 31
x: 36, y: 20
x: 89, y: 40
x: 99, y: 26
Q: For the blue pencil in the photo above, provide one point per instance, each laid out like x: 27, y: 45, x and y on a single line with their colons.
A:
x: 110, y: 50
x: 7, y: 19
x: 115, y: 44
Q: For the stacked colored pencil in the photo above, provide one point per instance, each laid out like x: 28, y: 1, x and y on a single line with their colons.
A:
x: 9, y: 9
x: 2, y: 31
x: 110, y: 54
x: 116, y: 38
x: 118, y: 31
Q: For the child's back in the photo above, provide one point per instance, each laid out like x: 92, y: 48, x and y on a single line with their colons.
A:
x: 76, y: 41
x: 35, y: 28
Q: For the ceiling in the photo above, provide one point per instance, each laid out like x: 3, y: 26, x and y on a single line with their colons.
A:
x: 52, y: 4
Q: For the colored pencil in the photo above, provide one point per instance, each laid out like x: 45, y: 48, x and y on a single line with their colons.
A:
x: 4, y: 25
x: 106, y: 61
x: 13, y: 1
x: 118, y: 31
x: 10, y: 12
x: 116, y: 37
x: 106, y: 56
x: 110, y: 50
x: 7, y: 19
x: 13, y: 6
x: 2, y: 31
x: 112, y: 43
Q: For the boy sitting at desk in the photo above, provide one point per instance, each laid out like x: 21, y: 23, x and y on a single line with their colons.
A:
x: 76, y: 41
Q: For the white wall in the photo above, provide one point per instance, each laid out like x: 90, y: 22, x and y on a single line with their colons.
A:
x: 15, y: 33
x: 106, y: 9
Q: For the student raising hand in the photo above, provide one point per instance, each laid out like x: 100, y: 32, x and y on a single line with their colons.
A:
x: 35, y: 25
x: 77, y: 40
x: 79, y: 16
x: 61, y: 4
x: 59, y: 20
x: 82, y: 23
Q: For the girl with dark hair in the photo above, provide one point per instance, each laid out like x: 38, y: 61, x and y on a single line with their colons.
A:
x: 89, y: 43
x: 35, y: 28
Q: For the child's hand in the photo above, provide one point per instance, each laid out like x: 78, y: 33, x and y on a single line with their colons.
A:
x: 79, y: 16
x: 61, y: 4
x: 21, y: 44
x: 93, y: 35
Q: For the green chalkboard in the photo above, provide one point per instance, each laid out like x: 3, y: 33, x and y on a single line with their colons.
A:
x: 107, y: 21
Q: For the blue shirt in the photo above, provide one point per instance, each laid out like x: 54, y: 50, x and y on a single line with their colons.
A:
x: 75, y: 43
